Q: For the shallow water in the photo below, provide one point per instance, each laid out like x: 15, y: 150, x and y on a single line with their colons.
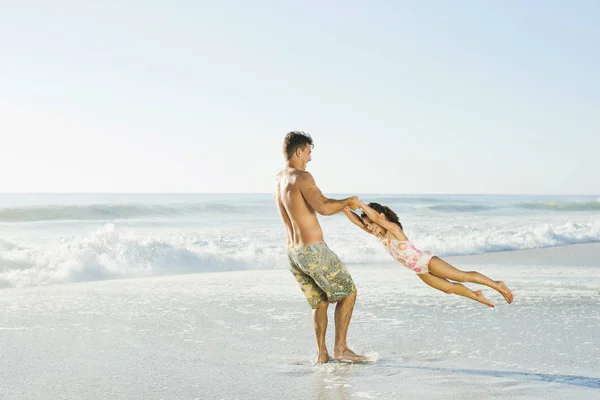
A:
x: 247, y: 334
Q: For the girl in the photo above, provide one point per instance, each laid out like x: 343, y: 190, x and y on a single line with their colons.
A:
x: 383, y: 223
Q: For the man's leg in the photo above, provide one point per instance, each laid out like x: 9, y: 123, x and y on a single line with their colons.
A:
x: 317, y: 300
x: 320, y: 327
x: 336, y: 282
x: 343, y: 314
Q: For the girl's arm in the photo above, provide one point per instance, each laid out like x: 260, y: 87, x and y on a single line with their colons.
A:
x: 355, y: 219
x: 381, y: 221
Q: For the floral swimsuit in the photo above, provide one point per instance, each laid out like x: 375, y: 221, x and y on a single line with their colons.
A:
x: 408, y: 255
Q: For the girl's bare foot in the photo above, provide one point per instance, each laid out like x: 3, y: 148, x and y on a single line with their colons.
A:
x: 481, y: 298
x: 506, y: 292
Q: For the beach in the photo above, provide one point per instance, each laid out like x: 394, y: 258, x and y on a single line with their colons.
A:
x: 247, y: 334
x: 167, y: 167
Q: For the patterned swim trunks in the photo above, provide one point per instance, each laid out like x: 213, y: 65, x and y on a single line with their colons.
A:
x: 320, y: 273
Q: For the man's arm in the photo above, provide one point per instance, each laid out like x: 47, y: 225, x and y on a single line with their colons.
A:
x: 321, y: 204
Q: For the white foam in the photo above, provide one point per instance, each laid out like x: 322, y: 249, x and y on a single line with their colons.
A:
x: 110, y: 252
x: 115, y: 251
x: 454, y: 236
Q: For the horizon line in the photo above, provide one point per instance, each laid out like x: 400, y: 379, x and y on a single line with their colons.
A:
x: 269, y: 193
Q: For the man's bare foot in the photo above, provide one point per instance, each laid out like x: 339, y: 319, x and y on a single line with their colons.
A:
x: 348, y: 355
x: 323, y: 359
x: 506, y: 292
x: 481, y: 298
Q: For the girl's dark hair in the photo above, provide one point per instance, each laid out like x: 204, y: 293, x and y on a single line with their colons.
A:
x: 389, y: 214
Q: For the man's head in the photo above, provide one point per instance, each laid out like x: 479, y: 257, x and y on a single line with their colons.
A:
x: 297, y: 147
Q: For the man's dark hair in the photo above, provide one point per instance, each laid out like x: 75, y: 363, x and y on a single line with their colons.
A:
x: 293, y: 141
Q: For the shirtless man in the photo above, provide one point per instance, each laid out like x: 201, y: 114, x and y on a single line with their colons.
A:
x: 322, y: 276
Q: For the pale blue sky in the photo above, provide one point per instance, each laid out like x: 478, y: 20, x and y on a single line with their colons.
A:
x: 400, y: 96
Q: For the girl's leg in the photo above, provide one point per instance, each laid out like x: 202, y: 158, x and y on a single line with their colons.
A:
x: 456, y: 288
x: 441, y: 268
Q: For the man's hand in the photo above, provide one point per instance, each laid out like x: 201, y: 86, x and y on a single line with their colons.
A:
x: 354, y: 203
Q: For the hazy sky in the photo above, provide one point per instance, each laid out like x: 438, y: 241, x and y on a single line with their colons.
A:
x: 400, y: 96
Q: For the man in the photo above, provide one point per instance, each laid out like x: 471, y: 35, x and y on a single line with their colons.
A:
x: 323, y: 278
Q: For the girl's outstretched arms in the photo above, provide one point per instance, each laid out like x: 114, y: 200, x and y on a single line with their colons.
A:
x: 381, y: 221
x: 355, y: 219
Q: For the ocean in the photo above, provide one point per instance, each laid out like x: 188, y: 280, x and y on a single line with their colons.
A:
x: 114, y: 296
x: 59, y: 238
